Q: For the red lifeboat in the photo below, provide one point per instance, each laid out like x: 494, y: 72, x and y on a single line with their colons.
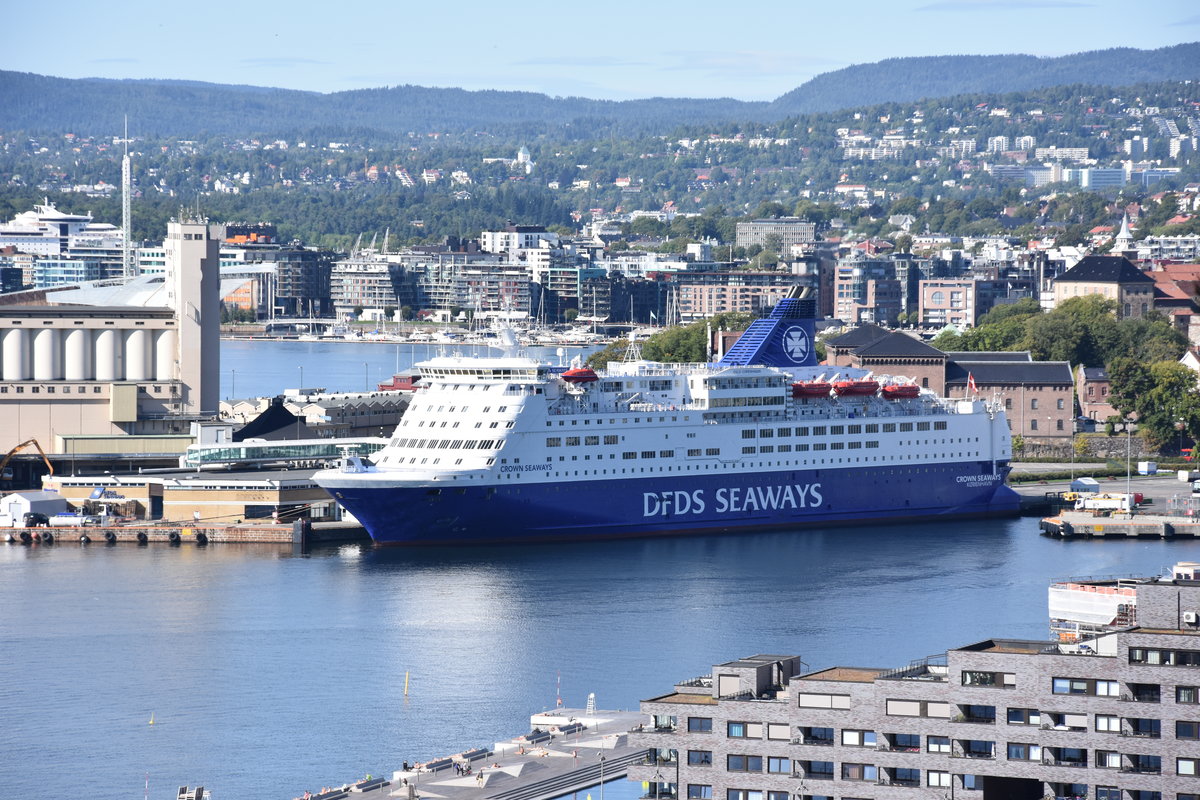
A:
x: 811, y: 389
x: 856, y: 388
x: 900, y: 391
x: 580, y: 375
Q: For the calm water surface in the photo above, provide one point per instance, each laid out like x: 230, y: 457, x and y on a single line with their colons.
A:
x: 263, y: 367
x: 269, y: 673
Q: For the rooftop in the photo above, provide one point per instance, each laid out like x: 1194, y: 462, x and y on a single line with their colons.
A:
x: 687, y: 699
x: 862, y: 335
x: 845, y: 674
x: 898, y: 345
x: 1105, y: 269
x: 1009, y: 373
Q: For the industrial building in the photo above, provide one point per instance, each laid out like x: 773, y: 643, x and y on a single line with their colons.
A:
x: 123, y: 361
x: 1115, y: 716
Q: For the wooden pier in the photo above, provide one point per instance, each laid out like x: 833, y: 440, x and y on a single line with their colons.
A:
x: 566, y: 751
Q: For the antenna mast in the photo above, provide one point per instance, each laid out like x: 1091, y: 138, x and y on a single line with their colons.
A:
x: 128, y: 269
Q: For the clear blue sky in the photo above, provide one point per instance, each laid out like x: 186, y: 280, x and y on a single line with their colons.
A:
x: 616, y: 49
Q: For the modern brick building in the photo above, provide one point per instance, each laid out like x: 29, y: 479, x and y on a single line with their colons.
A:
x: 1116, y: 717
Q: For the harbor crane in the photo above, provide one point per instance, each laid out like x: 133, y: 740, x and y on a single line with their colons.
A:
x: 6, y: 471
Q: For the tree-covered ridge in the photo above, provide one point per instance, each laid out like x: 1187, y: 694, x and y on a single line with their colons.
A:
x: 192, y: 109
x: 908, y: 79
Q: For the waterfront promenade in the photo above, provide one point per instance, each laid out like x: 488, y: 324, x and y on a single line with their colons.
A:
x: 566, y: 751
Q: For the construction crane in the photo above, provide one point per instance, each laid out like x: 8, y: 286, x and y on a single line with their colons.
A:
x: 6, y: 472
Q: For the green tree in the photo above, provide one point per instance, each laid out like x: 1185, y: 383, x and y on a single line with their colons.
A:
x: 571, y: 314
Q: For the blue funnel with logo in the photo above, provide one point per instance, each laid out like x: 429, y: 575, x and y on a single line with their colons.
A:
x: 784, y: 339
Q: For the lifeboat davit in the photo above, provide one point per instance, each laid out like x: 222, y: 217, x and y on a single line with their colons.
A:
x: 580, y: 375
x: 811, y: 389
x: 900, y: 391
x: 856, y: 388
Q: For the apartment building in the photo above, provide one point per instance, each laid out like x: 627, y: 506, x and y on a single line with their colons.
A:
x: 1115, y: 717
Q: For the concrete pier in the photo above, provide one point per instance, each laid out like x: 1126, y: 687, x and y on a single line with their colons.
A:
x: 1082, y: 524
x: 566, y: 751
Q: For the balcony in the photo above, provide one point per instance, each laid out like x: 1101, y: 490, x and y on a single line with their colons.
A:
x: 655, y: 761
x: 897, y: 782
x: 974, y: 720
x: 810, y: 740
x: 896, y: 748
x: 660, y: 729
x: 975, y: 754
x: 813, y: 776
x: 1142, y: 734
x: 1058, y: 762
x: 1141, y: 769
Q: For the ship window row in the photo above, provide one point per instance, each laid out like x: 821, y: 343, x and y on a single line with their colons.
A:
x: 756, y: 401
x: 1155, y: 656
x: 574, y: 441
x: 722, y: 467
x: 624, y: 420
x: 450, y: 444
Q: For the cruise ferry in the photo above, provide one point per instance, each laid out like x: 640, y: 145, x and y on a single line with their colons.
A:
x: 511, y: 449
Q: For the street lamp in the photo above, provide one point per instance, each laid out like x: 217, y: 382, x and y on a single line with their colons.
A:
x: 601, y: 776
x: 233, y: 384
x: 301, y: 378
x: 1179, y: 426
x: 1133, y: 416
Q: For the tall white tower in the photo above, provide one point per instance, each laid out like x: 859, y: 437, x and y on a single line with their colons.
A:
x: 128, y: 268
x: 193, y: 268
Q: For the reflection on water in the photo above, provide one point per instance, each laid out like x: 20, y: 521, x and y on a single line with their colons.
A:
x: 269, y: 673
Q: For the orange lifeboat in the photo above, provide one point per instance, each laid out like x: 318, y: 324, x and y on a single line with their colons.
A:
x: 856, y: 388
x: 580, y: 375
x: 811, y: 389
x: 900, y: 391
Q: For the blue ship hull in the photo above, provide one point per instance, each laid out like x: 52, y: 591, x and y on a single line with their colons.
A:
x: 675, y: 505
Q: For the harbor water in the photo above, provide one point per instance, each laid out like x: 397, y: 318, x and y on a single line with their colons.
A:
x: 264, y: 367
x: 268, y: 673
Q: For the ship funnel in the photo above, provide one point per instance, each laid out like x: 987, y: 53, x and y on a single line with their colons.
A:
x: 784, y: 339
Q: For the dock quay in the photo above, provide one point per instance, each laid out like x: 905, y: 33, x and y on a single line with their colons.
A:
x: 566, y: 751
x: 293, y: 534
x: 1083, y: 524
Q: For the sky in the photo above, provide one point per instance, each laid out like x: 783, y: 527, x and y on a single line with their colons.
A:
x: 613, y: 50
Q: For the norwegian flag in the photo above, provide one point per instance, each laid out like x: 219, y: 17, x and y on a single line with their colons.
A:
x: 971, y: 387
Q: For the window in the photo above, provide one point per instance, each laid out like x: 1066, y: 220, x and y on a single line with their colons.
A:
x: 935, y: 777
x: 859, y: 772
x: 1187, y: 766
x: 1107, y: 723
x: 1084, y: 686
x: 937, y: 744
x: 736, y: 763
x: 970, y: 678
x: 779, y: 795
x: 699, y: 724
x: 1108, y: 793
x: 1018, y: 751
x: 1059, y: 403
x: 812, y: 700
x: 554, y: 441
x: 1033, y: 424
x: 779, y: 765
x: 779, y: 730
x: 1108, y: 759
x: 852, y: 738
x: 1185, y: 729
x: 743, y: 794
x: 1024, y: 716
x: 698, y: 791
x: 744, y: 730
x: 699, y: 757
x: 1187, y: 694
x: 1033, y: 403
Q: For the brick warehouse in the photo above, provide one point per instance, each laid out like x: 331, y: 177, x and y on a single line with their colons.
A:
x: 1116, y: 717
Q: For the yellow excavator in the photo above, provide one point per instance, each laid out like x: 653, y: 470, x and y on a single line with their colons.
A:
x: 6, y: 473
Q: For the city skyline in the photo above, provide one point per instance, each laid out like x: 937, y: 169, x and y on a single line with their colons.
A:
x: 619, y: 52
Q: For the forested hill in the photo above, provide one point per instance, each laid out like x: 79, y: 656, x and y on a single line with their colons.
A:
x: 194, y: 110
x: 191, y: 110
x: 897, y: 80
